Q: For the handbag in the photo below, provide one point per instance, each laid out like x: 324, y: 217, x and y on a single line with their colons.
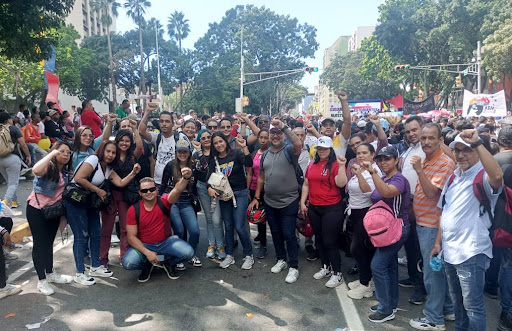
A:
x: 195, y: 203
x: 131, y: 193
x: 76, y: 194
x: 96, y: 202
x: 220, y: 183
x: 53, y: 211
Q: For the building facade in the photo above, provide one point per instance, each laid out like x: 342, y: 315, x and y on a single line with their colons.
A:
x: 358, y: 36
x: 87, y: 21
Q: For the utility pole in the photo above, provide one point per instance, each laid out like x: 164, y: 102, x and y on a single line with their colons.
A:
x: 158, y: 68
x: 479, y: 67
x: 241, y: 68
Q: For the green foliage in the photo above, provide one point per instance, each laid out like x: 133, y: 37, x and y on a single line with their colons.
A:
x: 498, y: 51
x: 69, y: 59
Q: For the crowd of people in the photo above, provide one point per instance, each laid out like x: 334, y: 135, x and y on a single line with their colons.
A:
x: 366, y: 184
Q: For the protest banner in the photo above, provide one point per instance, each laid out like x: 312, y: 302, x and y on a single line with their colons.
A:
x: 493, y: 105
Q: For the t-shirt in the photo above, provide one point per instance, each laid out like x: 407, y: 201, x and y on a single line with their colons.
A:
x: 154, y: 226
x: 15, y: 135
x: 53, y: 129
x: 322, y: 185
x: 357, y: 199
x: 45, y: 200
x: 399, y: 204
x: 69, y: 124
x: 281, y: 187
x: 121, y: 113
x: 99, y: 177
x: 255, y: 170
x: 40, y: 125
x: 165, y: 153
x: 407, y: 169
x: 339, y: 144
x: 92, y: 120
x: 233, y: 166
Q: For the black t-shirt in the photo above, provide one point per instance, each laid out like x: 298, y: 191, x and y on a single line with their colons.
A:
x: 15, y: 135
x: 233, y: 166
x: 53, y: 130
x: 122, y: 169
x: 143, y: 161
x: 504, y: 159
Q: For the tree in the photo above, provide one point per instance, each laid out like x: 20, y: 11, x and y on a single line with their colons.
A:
x: 498, y: 52
x: 25, y: 28
x: 178, y: 29
x: 136, y: 10
x: 106, y: 8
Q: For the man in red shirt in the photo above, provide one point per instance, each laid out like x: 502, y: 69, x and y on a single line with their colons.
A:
x: 90, y: 118
x: 149, y: 231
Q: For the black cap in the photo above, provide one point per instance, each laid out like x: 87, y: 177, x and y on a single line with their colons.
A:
x: 50, y: 104
x: 388, y: 151
x: 4, y: 117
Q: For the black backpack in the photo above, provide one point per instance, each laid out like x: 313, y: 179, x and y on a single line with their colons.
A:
x: 159, y: 139
x: 298, y: 170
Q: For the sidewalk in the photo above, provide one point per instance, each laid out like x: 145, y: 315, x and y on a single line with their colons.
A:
x: 20, y: 228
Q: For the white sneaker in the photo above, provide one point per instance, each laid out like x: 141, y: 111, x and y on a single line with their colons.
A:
x: 248, y: 262
x: 334, y: 281
x: 353, y: 285
x: 402, y: 261
x: 293, y: 275
x: 8, y: 255
x: 58, y: 279
x: 361, y: 292
x: 324, y: 272
x: 280, y: 266
x: 8, y: 290
x: 229, y: 260
x: 82, y: 279
x: 44, y: 287
x: 100, y: 271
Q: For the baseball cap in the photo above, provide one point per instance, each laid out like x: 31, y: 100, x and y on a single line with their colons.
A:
x: 324, y: 142
x: 506, y: 120
x: 182, y: 145
x: 4, y: 117
x: 361, y: 124
x: 388, y: 151
x: 52, y: 112
x: 328, y: 119
x: 133, y: 117
x: 458, y: 139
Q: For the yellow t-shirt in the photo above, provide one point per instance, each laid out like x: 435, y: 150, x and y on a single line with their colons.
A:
x: 339, y: 143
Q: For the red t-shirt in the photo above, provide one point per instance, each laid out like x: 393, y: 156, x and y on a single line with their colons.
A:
x: 154, y: 226
x: 91, y: 119
x: 322, y: 188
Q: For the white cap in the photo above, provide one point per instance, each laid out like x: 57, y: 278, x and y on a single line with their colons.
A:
x: 187, y: 117
x: 361, y: 124
x: 458, y: 139
x: 324, y: 142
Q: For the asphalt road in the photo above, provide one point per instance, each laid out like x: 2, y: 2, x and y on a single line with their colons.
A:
x: 203, y: 298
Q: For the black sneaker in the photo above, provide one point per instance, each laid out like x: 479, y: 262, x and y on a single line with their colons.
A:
x: 505, y: 323
x: 374, y: 308
x: 381, y: 318
x: 312, y: 254
x: 145, y: 274
x: 171, y: 271
x: 257, y: 240
x: 406, y: 283
x: 262, y: 252
x: 417, y: 298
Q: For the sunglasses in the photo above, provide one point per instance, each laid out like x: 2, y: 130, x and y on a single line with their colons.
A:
x: 206, y: 138
x: 146, y: 190
x: 276, y: 133
x: 213, y: 127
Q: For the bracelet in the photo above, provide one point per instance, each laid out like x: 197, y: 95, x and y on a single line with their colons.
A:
x: 187, y: 178
x: 285, y: 127
x: 258, y: 199
x: 477, y: 143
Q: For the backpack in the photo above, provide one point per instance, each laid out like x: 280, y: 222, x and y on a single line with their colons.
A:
x: 159, y: 203
x: 502, y: 223
x: 298, y: 171
x: 159, y: 139
x: 6, y: 144
x: 382, y: 225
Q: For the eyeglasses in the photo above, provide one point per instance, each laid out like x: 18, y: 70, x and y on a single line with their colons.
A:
x: 225, y: 127
x: 276, y: 133
x: 65, y: 151
x: 465, y: 151
x: 206, y: 138
x: 212, y: 127
x: 146, y: 190
x: 85, y: 135
x: 260, y: 121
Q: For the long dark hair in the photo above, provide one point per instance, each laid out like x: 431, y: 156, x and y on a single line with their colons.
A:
x: 213, y: 150
x: 330, y: 160
x: 176, y: 171
x: 78, y: 134
x: 119, y: 136
x: 100, y: 152
x: 53, y: 172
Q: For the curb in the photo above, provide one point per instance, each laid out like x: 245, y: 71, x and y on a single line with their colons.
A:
x: 20, y: 231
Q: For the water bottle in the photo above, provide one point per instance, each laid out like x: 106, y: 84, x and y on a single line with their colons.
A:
x: 213, y: 205
x: 436, y: 262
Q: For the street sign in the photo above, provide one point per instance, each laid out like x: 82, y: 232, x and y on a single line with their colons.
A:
x: 238, y: 105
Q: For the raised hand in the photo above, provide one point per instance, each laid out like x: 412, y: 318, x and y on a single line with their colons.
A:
x: 197, y: 145
x: 357, y: 169
x: 416, y: 163
x: 367, y: 165
x: 136, y: 168
x: 342, y: 96
x: 469, y: 136
x: 240, y: 141
x: 341, y: 160
x: 186, y: 172
x: 277, y: 123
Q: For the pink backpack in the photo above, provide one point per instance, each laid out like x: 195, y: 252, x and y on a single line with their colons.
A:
x: 382, y: 226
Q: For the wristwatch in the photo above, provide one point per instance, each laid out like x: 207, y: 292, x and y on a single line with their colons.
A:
x: 476, y: 143
x: 284, y: 128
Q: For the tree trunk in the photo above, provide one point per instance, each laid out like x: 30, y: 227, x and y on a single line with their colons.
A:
x: 111, y: 67
x: 142, y: 78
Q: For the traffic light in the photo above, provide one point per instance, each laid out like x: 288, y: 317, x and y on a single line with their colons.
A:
x: 245, y: 101
x: 311, y: 69
x: 458, y: 81
x: 402, y: 67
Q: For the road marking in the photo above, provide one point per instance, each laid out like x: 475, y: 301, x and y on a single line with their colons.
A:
x: 348, y: 308
x: 29, y: 266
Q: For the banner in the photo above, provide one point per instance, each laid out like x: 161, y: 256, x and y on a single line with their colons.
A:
x: 356, y: 107
x: 493, y: 105
x: 411, y: 107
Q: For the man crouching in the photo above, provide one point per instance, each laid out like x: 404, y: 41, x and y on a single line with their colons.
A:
x: 149, y: 231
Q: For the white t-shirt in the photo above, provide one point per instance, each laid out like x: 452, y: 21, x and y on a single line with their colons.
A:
x: 407, y: 169
x: 20, y: 116
x: 40, y: 125
x: 357, y: 199
x: 99, y: 176
x: 166, y: 152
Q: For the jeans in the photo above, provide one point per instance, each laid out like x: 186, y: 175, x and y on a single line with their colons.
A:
x: 35, y: 149
x: 214, y: 229
x: 282, y: 226
x: 506, y: 280
x: 492, y: 283
x: 413, y: 253
x: 327, y: 223
x: 10, y: 167
x: 361, y: 247
x: 183, y: 218
x: 85, y: 224
x: 234, y: 218
x: 466, y: 283
x: 385, y: 274
x: 438, y: 301
x: 108, y: 217
x: 173, y: 248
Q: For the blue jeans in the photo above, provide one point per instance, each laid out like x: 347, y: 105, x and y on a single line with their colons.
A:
x: 506, y: 280
x: 86, y: 227
x: 173, y: 249
x: 183, y: 218
x: 234, y: 218
x: 385, y: 274
x: 214, y: 229
x: 438, y: 301
x: 282, y: 226
x: 466, y: 282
